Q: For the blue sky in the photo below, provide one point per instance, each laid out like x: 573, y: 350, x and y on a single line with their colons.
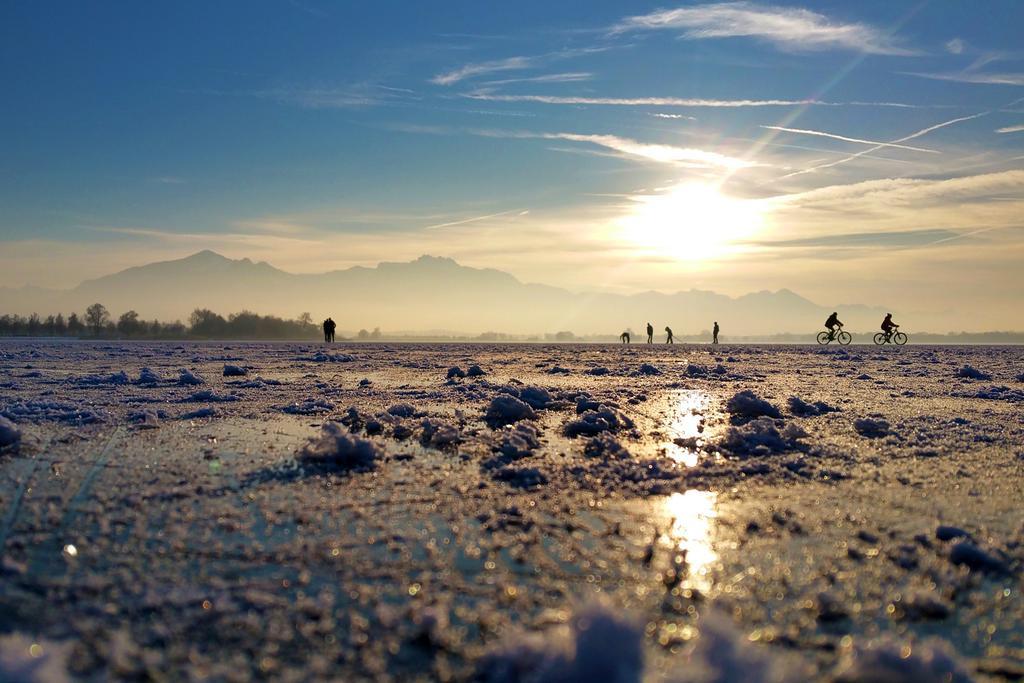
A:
x: 592, y: 145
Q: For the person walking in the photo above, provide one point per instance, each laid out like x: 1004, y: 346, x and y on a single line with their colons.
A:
x: 650, y: 333
x: 715, y: 333
x: 624, y: 337
x: 669, y: 340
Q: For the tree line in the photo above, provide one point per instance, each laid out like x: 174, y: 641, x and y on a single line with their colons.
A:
x: 202, y: 324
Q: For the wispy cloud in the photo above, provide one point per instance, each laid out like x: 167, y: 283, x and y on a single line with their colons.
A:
x: 517, y: 63
x: 955, y: 46
x: 910, y: 191
x: 570, y: 77
x: 335, y: 97
x: 659, y: 115
x: 1011, y: 129
x: 479, y: 68
x: 674, y: 101
x: 833, y: 136
x: 788, y: 28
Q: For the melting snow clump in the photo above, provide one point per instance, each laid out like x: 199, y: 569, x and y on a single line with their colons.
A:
x: 927, y: 662
x: 187, y: 378
x: 334, y: 447
x: 598, y: 645
x: 10, y: 435
x: 748, y: 405
x: 33, y: 660
x: 801, y: 408
x: 872, y: 428
x: 505, y: 410
x: 970, y: 372
x: 235, y: 371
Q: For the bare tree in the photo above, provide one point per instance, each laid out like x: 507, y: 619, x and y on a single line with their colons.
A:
x: 96, y: 316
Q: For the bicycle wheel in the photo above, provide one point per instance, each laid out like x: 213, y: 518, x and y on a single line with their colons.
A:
x: 879, y: 338
x: 844, y: 337
x: 899, y: 338
x: 823, y: 338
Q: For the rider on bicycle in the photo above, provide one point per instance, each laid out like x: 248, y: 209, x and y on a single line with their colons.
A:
x: 831, y: 324
x: 888, y: 326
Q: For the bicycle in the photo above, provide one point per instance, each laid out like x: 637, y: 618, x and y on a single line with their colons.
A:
x: 842, y: 336
x: 898, y: 338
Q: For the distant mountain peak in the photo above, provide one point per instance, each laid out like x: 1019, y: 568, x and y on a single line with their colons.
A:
x: 207, y: 255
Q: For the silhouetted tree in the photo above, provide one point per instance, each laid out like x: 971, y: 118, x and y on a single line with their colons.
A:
x: 96, y: 317
x: 59, y: 326
x: 129, y: 324
x: 75, y: 326
x: 376, y: 334
x: 363, y: 334
x: 205, y: 323
x: 34, y: 325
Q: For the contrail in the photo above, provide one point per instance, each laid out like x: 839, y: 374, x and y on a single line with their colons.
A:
x: 474, y: 219
x: 923, y: 131
x: 819, y: 133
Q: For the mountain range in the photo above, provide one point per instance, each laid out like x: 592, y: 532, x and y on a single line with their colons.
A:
x: 427, y: 294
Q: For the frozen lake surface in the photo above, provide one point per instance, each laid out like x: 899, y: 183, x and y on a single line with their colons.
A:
x: 738, y: 513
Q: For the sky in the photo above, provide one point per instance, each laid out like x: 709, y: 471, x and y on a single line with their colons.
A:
x: 868, y: 152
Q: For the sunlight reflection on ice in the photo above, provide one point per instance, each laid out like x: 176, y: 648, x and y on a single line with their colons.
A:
x: 693, y: 514
x: 687, y: 427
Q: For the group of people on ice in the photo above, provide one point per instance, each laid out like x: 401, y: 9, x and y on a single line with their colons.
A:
x: 669, y: 339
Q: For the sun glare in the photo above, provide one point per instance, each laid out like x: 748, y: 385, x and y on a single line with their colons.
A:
x: 690, y: 222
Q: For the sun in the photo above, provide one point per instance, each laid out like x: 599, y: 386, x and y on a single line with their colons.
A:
x: 691, y: 221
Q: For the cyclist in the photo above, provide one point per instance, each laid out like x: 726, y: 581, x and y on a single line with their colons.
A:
x: 831, y: 324
x: 888, y: 326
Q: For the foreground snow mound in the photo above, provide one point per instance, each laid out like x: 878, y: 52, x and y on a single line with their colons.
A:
x: 801, y: 408
x: 506, y: 410
x: 42, y: 410
x: 148, y: 378
x: 10, y: 435
x: 970, y: 372
x: 187, y: 378
x: 598, y: 645
x: 746, y: 405
x: 321, y: 357
x: 115, y: 379
x: 309, y: 406
x: 601, y: 419
x: 724, y: 655
x: 336, y: 448
x: 931, y: 661
x: 32, y: 660
x: 438, y: 434
x: 761, y: 437
x: 872, y: 428
x: 235, y: 371
x: 519, y: 442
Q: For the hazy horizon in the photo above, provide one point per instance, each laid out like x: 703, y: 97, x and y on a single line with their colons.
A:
x: 868, y: 153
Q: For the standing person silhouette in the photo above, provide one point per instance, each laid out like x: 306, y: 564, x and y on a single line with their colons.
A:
x: 650, y: 333
x: 669, y: 340
x: 715, y: 333
x: 624, y: 337
x: 331, y: 326
x: 327, y: 330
